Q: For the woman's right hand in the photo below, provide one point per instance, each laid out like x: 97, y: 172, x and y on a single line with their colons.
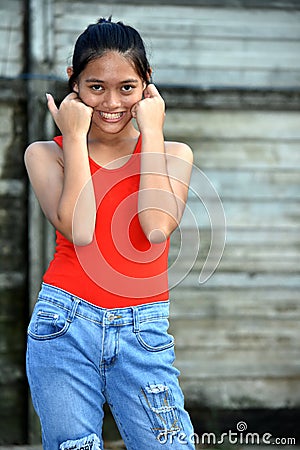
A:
x: 73, y: 117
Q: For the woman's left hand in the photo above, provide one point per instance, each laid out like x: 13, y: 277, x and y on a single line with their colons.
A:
x: 150, y: 111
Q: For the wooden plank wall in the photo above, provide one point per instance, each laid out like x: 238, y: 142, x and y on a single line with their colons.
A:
x: 237, y: 335
x: 200, y: 46
x: 11, y: 38
x: 13, y: 227
x: 230, y: 72
x: 13, y: 268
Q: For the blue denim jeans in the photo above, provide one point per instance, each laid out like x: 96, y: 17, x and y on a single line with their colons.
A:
x: 80, y: 356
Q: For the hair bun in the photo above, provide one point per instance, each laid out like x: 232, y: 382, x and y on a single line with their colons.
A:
x: 104, y: 20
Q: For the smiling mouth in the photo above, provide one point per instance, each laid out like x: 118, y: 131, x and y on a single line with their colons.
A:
x: 111, y: 116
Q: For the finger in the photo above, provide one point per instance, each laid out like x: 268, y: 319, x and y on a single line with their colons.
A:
x: 75, y: 96
x: 72, y: 96
x: 51, y: 104
x: 151, y: 91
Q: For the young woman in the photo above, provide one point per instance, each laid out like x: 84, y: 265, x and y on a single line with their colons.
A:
x: 114, y: 191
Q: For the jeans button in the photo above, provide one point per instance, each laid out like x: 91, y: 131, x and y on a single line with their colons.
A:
x: 110, y: 317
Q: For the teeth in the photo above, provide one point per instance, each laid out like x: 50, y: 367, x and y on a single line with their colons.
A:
x: 110, y: 115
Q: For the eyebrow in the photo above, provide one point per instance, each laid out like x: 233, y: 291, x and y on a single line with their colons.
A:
x: 95, y: 80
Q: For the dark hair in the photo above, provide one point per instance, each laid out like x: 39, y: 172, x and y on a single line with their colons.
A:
x: 106, y: 36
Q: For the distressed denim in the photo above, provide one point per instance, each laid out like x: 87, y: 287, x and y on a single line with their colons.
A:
x: 80, y: 356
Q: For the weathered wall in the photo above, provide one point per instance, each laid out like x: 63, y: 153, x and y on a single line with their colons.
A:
x: 238, y: 334
x: 230, y: 74
x: 13, y: 266
x: 196, y: 45
x: 230, y: 77
x: 13, y: 226
x: 12, y: 38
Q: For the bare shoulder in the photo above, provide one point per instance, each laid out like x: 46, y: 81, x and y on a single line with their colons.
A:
x: 179, y: 159
x: 179, y: 150
x: 43, y: 152
x: 44, y: 164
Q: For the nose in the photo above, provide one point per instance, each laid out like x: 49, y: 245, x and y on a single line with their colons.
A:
x: 111, y: 100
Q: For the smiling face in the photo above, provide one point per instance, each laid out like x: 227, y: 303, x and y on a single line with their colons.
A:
x: 111, y: 85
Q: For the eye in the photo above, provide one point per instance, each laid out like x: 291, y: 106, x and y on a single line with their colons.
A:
x: 97, y: 87
x: 127, y: 88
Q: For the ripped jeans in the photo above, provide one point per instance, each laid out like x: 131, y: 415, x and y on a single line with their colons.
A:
x: 80, y: 356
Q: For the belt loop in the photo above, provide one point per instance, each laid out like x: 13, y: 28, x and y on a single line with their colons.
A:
x: 75, y: 304
x: 136, y: 322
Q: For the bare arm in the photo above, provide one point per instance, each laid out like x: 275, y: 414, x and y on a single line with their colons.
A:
x: 165, y: 171
x: 62, y: 180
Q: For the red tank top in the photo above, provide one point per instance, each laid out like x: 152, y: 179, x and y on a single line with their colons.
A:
x: 120, y: 267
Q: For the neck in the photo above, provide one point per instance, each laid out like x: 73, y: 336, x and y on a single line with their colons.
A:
x: 95, y: 136
x: 105, y: 148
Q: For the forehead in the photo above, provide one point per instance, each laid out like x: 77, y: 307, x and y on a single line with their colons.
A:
x: 112, y: 66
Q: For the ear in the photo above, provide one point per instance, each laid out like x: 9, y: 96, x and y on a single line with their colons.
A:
x: 148, y: 78
x: 70, y: 73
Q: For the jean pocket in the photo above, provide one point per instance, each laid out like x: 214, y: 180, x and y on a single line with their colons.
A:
x: 153, y: 335
x: 48, y: 321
